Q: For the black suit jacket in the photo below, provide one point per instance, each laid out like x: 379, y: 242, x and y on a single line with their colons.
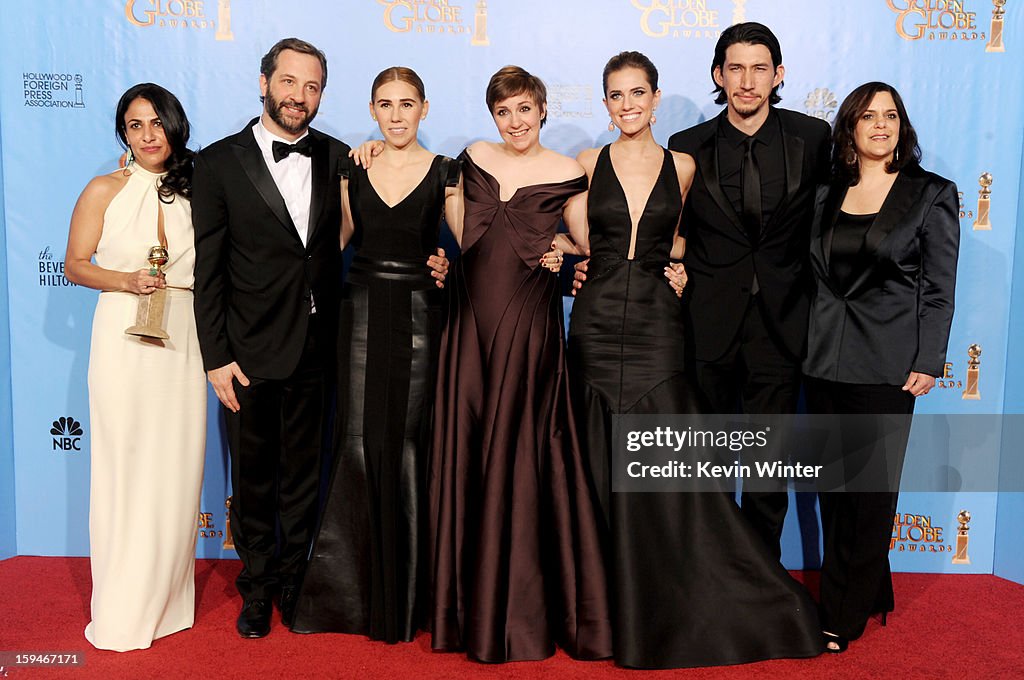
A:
x: 894, y: 315
x: 720, y: 258
x: 253, y: 276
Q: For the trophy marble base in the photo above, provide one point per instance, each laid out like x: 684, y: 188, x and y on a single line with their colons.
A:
x: 971, y: 391
x: 149, y: 318
x: 961, y: 556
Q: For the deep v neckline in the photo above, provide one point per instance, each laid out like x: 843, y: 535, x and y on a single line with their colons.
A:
x: 412, y: 191
x: 634, y: 227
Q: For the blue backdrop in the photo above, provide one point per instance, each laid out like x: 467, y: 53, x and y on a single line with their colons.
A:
x: 65, y: 65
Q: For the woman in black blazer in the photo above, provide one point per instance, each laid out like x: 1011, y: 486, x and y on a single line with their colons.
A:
x: 883, y: 254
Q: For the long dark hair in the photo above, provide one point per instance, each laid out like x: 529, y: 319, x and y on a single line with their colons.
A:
x: 178, y: 180
x: 845, y: 163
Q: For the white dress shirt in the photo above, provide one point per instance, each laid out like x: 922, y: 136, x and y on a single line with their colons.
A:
x: 293, y: 176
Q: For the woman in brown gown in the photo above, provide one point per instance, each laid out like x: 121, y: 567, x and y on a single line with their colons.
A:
x: 517, y: 563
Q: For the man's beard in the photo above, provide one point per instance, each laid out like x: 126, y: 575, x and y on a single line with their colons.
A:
x: 273, y: 108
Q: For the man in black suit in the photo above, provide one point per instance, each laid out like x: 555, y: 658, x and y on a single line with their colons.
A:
x: 266, y: 210
x: 747, y: 224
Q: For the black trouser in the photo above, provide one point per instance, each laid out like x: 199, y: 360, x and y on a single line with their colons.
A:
x: 758, y: 376
x: 857, y: 526
x: 275, y: 443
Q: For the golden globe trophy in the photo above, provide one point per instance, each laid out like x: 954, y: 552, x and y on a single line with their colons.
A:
x: 960, y: 556
x: 480, y: 38
x: 995, y: 38
x: 981, y: 223
x: 229, y: 542
x: 973, y: 365
x: 149, y: 319
x: 224, y: 21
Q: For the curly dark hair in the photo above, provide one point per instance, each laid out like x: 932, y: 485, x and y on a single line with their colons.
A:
x: 178, y: 180
x: 845, y: 164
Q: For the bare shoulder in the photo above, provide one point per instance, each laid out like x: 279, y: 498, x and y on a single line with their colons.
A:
x: 588, y: 159
x: 562, y: 168
x: 685, y: 165
x: 686, y: 168
x: 102, y: 189
x: 481, y: 149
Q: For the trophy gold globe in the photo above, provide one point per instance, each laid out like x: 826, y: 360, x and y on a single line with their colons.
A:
x: 149, y: 318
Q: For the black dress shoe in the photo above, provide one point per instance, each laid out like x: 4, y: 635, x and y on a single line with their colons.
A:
x: 287, y: 601
x: 254, y: 620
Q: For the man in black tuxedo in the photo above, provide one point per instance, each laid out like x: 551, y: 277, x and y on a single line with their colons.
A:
x: 747, y: 224
x: 266, y: 210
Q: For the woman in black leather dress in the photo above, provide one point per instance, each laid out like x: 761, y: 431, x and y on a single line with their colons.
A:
x: 367, y: 572
x: 692, y: 584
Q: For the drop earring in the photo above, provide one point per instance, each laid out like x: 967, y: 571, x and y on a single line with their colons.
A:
x: 654, y: 119
x: 611, y: 126
x: 129, y: 159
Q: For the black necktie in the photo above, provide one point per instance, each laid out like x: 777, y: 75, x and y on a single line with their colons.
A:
x: 751, y: 192
x: 282, y: 150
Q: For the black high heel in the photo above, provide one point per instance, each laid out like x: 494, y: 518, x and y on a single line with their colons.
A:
x: 834, y: 644
x: 885, y: 617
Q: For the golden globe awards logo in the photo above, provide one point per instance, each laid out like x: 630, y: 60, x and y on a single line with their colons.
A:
x: 821, y: 103
x: 182, y: 15
x: 436, y: 17
x: 683, y: 18
x: 947, y: 20
x: 917, y: 534
x: 208, y: 527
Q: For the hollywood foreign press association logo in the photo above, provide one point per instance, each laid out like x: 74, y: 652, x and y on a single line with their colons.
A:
x: 67, y: 434
x: 53, y: 90
x: 570, y: 101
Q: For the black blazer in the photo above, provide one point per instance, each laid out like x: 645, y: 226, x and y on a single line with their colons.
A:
x: 253, y: 276
x: 894, y: 315
x: 720, y: 258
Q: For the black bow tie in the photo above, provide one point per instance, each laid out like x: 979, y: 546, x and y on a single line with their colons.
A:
x: 282, y: 150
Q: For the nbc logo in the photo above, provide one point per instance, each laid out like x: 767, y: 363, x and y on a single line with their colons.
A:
x: 67, y: 434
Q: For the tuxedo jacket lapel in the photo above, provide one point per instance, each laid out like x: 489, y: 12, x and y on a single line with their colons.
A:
x: 793, y: 157
x: 251, y: 159
x: 829, y: 215
x: 321, y: 165
x: 707, y: 161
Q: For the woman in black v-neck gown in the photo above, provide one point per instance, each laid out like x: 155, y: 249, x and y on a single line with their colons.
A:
x: 367, y: 572
x: 692, y: 584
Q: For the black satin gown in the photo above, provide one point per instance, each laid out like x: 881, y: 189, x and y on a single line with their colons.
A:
x: 692, y: 583
x: 517, y: 562
x: 367, y: 572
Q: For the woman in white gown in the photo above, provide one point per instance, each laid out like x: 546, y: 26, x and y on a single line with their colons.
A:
x: 147, y: 397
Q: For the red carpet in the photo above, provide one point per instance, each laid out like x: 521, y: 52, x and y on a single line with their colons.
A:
x: 945, y: 626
